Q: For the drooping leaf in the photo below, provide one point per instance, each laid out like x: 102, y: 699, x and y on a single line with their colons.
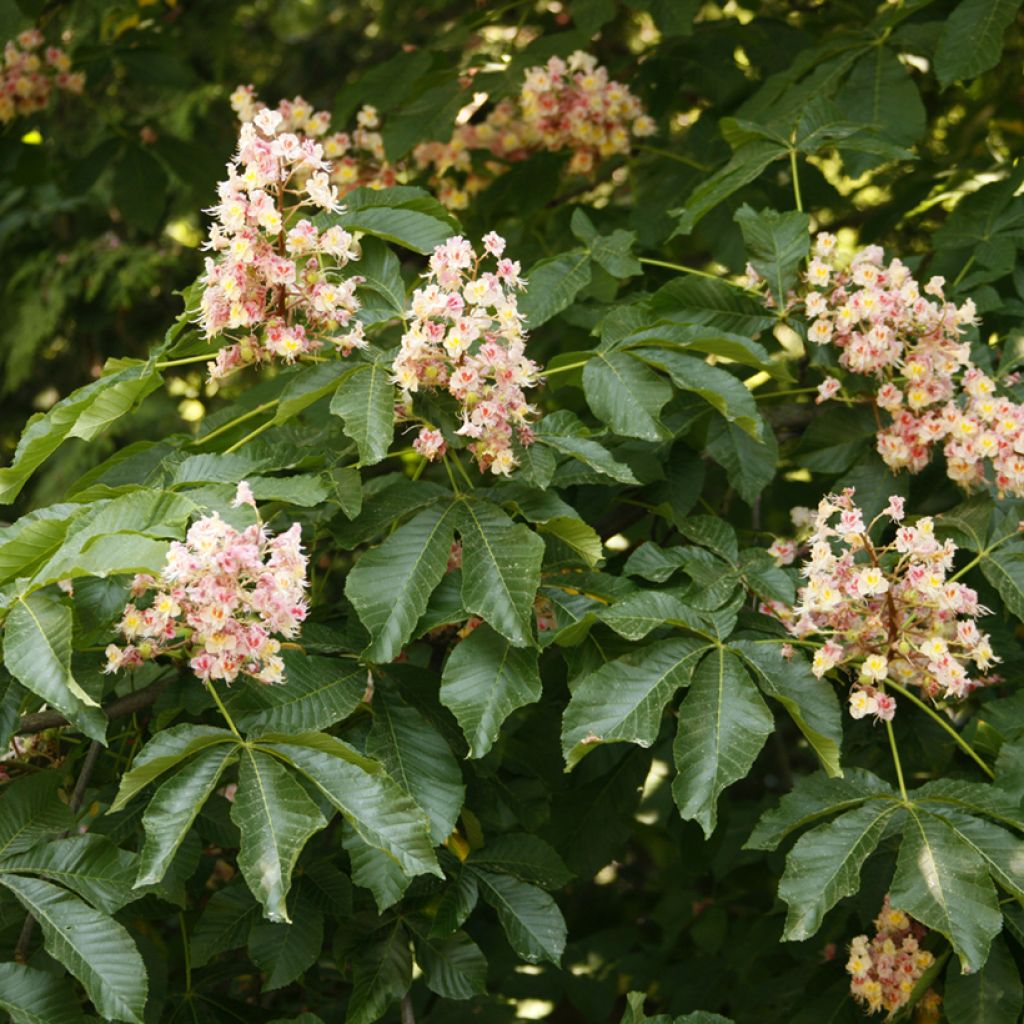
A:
x: 777, y: 243
x: 365, y: 401
x: 553, y: 284
x: 90, y: 944
x: 32, y: 810
x: 485, y: 679
x: 532, y: 922
x: 993, y: 995
x: 276, y: 818
x: 723, y: 723
x: 623, y: 700
x: 224, y: 923
x: 286, y: 951
x: 381, y: 975
x: 972, y: 38
x: 454, y: 966
x: 391, y: 584
x: 32, y: 996
x: 625, y: 394
x: 525, y: 856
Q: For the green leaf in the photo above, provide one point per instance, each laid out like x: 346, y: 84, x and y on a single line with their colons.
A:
x: 32, y: 810
x: 749, y: 464
x: 724, y: 392
x: 810, y: 702
x: 391, y: 584
x: 91, y: 945
x: 457, y: 902
x: 637, y: 614
x: 777, y: 244
x: 419, y: 759
x: 90, y: 865
x: 382, y: 272
x: 406, y: 216
x: 37, y: 652
x: 32, y: 996
x: 824, y: 865
x: 285, y: 951
x: 1005, y: 571
x: 174, y: 806
x: 500, y: 569
x: 375, y: 870
x: 942, y: 882
x: 746, y: 164
x: 527, y: 857
x: 1001, y: 850
x: 318, y: 692
x: 972, y: 38
x: 224, y: 923
x: 382, y: 814
x: 811, y: 798
x: 577, y: 535
x: 994, y: 995
x: 723, y: 723
x: 166, y: 749
x: 140, y: 185
x: 453, y: 966
x: 308, y: 385
x: 276, y: 818
x: 365, y: 401
x: 553, y: 284
x: 485, y: 679
x: 381, y: 974
x: 713, y: 533
x: 83, y: 414
x: 718, y: 304
x: 623, y: 393
x: 532, y: 922
x: 623, y: 701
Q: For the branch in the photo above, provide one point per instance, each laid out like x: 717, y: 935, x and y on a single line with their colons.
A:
x: 120, y: 708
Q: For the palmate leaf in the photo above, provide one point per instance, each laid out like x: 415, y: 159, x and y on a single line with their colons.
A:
x: 525, y: 856
x: 623, y: 701
x: 166, y: 749
x: 406, y: 216
x: 419, y: 759
x: 175, y: 805
x: 375, y: 870
x: 457, y: 902
x: 750, y: 464
x: 972, y: 38
x: 275, y: 817
x: 37, y: 652
x: 943, y: 882
x: 825, y: 865
x: 32, y: 996
x: 384, y: 817
x: 91, y: 945
x: 500, y: 569
x: 553, y: 284
x: 625, y: 394
x: 810, y: 702
x: 532, y: 922
x: 993, y: 995
x: 224, y: 923
x: 1001, y: 851
x: 32, y: 810
x: 454, y: 966
x: 285, y: 951
x: 381, y: 975
x: 484, y: 680
x: 90, y: 865
x: 390, y: 585
x: 365, y: 401
x: 777, y: 243
x: 723, y: 723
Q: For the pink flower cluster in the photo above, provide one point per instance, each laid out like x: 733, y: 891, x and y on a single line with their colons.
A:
x: 221, y: 600
x: 886, y: 326
x: 884, y: 970
x: 29, y: 73
x: 886, y: 612
x: 466, y: 337
x: 357, y: 157
x: 562, y: 106
x: 275, y: 285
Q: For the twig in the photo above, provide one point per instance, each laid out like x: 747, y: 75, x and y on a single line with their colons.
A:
x: 39, y: 721
x: 408, y: 1016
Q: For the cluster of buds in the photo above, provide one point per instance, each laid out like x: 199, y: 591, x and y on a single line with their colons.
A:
x: 29, y: 74
x: 465, y: 336
x: 357, y: 157
x: 909, y: 339
x: 221, y: 602
x: 274, y: 286
x: 885, y: 612
x: 884, y: 970
x: 563, y: 106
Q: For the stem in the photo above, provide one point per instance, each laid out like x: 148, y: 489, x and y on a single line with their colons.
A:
x: 168, y: 363
x: 689, y: 161
x: 462, y: 470
x: 563, y: 369
x: 187, y: 954
x: 248, y: 437
x: 451, y: 475
x: 699, y: 273
x: 220, y: 704
x: 896, y: 761
x: 231, y: 424
x: 943, y: 724
x: 408, y: 1016
x: 796, y: 180
x: 121, y: 708
x: 983, y: 554
x: 963, y: 270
